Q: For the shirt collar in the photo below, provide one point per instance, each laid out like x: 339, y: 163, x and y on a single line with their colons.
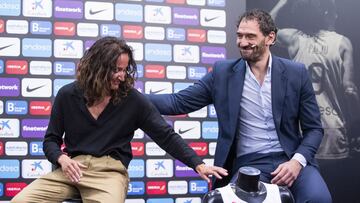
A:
x: 268, y: 72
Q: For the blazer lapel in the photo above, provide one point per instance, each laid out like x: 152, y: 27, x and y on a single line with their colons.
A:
x: 236, y: 84
x: 278, y: 90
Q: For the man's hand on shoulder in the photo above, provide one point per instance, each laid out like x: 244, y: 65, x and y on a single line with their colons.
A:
x: 204, y: 171
x: 286, y: 173
x: 71, y: 168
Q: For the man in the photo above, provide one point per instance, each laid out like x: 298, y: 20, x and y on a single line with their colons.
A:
x: 328, y: 58
x: 260, y: 100
x: 98, y: 115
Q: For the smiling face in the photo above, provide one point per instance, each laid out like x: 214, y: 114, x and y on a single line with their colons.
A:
x: 253, y: 44
x: 119, y: 73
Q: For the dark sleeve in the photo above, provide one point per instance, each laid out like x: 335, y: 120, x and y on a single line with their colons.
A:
x: 310, y: 120
x: 154, y: 125
x: 185, y: 101
x: 54, y: 133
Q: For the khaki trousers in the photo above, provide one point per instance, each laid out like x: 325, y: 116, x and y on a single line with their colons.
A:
x: 104, y: 180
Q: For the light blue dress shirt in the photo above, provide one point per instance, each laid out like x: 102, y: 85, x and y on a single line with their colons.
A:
x: 256, y: 132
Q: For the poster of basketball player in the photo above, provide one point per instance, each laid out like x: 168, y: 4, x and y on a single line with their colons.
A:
x: 315, y: 32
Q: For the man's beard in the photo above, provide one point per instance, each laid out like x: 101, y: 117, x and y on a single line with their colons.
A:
x: 256, y: 54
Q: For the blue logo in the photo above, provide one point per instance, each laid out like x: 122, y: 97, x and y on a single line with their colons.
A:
x: 13, y: 107
x: 36, y: 149
x: 212, y: 111
x: 196, y: 73
x: 59, y: 83
x: 9, y: 168
x: 136, y: 168
x: 36, y: 47
x: 180, y: 86
x: 158, y: 52
x: 198, y: 187
x: 219, y: 3
x: 210, y: 130
x: 128, y: 12
x: 1, y: 189
x: 41, y: 27
x: 136, y: 188
x: 140, y: 70
x: 10, y: 7
x: 1, y: 66
x: 159, y: 200
x: 175, y: 34
x: 64, y: 68
x: 110, y: 30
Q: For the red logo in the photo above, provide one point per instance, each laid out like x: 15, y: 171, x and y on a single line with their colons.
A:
x: 1, y: 148
x: 175, y: 1
x: 201, y: 148
x: 40, y: 108
x: 178, y: 116
x: 64, y: 28
x: 133, y: 32
x: 19, y: 67
x: 11, y: 189
x: 154, y: 71
x: 1, y: 26
x: 137, y: 148
x: 156, y: 187
x: 196, y: 35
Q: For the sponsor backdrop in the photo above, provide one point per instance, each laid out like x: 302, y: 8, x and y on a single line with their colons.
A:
x: 175, y: 43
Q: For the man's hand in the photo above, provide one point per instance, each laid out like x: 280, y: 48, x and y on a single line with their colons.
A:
x: 71, y: 168
x: 204, y: 171
x: 286, y: 173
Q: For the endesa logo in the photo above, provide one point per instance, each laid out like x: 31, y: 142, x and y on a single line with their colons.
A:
x: 19, y: 67
x: 156, y: 188
x: 188, y: 200
x: 9, y: 168
x: 136, y: 168
x: 210, y: 130
x: 196, y: 35
x: 128, y: 12
x: 40, y: 108
x: 11, y: 189
x: 154, y: 71
x: 10, y: 7
x: 158, y: 52
x: 133, y: 32
x: 200, y: 148
x: 36, y: 47
x: 219, y: 3
x: 136, y: 188
x: 137, y: 148
x: 64, y: 28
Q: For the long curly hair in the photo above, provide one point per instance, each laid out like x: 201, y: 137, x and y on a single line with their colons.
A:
x: 95, y: 70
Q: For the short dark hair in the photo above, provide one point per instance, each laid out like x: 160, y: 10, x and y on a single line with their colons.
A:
x: 266, y: 23
x: 95, y: 70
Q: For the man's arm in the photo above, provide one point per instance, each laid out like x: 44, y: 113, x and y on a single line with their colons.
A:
x: 312, y: 131
x: 163, y: 134
x: 185, y: 101
x: 346, y: 51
